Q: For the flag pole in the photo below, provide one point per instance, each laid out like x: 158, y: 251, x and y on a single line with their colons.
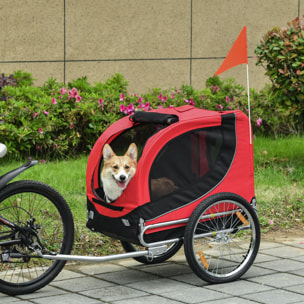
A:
x: 249, y: 115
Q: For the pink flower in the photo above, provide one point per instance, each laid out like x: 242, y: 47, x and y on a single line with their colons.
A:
x: 101, y: 103
x: 298, y: 72
x: 127, y: 110
x: 271, y: 222
x: 78, y: 98
x: 54, y: 100
x: 135, y: 95
x: 71, y: 125
x: 215, y: 89
x: 160, y: 96
x: 43, y: 161
x: 227, y: 99
x: 62, y: 91
x: 160, y: 107
x: 121, y: 97
x: 219, y: 107
x: 122, y: 108
x: 147, y: 106
x: 140, y: 99
x: 141, y: 106
x: 35, y: 115
x: 172, y: 95
x: 40, y: 131
x: 259, y: 122
x: 130, y: 108
x: 46, y: 113
x: 73, y: 93
x: 191, y: 102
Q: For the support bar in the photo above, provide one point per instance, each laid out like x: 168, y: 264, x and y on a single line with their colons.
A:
x: 66, y: 257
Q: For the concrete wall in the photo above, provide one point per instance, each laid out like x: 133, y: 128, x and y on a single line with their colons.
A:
x: 153, y: 43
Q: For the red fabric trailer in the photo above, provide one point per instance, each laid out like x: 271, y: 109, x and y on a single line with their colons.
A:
x: 202, y: 152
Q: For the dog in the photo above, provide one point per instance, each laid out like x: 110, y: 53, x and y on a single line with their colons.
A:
x: 117, y: 171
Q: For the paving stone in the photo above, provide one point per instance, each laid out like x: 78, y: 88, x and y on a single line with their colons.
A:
x: 194, y: 295
x: 285, y: 252
x: 159, y: 286
x: 299, y: 258
x: 299, y: 288
x: 276, y: 296
x: 279, y: 280
x: 93, y: 269
x: 81, y: 284
x: 233, y: 300
x: 282, y: 265
x: 277, y: 276
x: 261, y: 258
x: 148, y: 300
x: 296, y: 243
x: 67, y: 299
x: 168, y: 270
x: 299, y: 272
x: 256, y: 271
x: 47, y: 291
x: 127, y: 276
x: 239, y: 288
x: 68, y: 274
x: 114, y: 293
x: 268, y: 245
x: 190, y: 278
x: 4, y: 298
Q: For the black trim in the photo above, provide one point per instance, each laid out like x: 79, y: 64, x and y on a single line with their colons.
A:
x: 153, y: 118
x: 204, y: 185
x: 112, y: 227
x: 107, y: 205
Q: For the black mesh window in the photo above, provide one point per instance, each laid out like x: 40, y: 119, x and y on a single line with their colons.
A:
x: 184, y: 160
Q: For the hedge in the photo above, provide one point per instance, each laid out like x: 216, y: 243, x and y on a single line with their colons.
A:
x: 56, y: 121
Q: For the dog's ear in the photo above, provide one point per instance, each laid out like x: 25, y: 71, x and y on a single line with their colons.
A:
x: 107, y: 152
x: 132, y: 152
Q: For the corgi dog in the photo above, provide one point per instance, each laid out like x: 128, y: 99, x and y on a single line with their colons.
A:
x: 117, y: 171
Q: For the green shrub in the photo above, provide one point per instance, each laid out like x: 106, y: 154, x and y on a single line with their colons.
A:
x: 6, y: 81
x: 56, y: 121
x: 281, y: 53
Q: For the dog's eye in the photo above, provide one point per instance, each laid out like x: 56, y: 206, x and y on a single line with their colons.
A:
x: 127, y: 167
x: 115, y: 167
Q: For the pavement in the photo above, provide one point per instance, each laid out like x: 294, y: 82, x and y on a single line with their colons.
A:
x: 277, y: 276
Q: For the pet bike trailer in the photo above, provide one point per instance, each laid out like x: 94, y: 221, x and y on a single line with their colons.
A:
x: 205, y: 159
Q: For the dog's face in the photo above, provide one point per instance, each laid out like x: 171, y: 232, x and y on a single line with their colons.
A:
x: 117, y: 170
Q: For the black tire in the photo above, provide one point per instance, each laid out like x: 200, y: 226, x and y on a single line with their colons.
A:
x: 222, y: 238
x: 19, y: 202
x: 171, y: 251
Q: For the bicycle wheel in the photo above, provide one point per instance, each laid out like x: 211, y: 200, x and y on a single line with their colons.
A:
x: 46, y: 217
x: 171, y: 250
x: 222, y: 238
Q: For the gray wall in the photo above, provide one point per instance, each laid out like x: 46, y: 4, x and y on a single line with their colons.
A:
x: 153, y: 43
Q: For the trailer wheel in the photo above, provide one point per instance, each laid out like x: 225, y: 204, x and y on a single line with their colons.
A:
x: 222, y: 238
x: 171, y: 251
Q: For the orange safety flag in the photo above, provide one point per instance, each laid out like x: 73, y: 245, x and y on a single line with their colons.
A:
x: 237, y: 54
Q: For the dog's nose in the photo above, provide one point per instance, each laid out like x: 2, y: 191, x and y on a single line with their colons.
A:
x: 122, y: 178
